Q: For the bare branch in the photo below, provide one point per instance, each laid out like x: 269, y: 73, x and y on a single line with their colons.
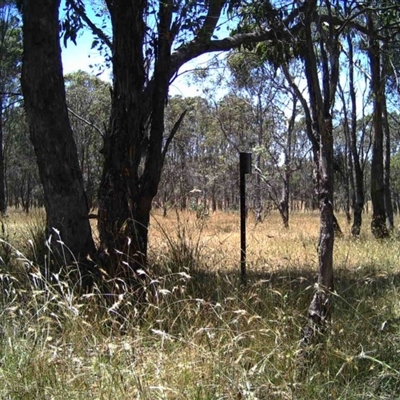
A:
x: 10, y: 94
x: 225, y: 133
x: 102, y: 134
x: 172, y: 133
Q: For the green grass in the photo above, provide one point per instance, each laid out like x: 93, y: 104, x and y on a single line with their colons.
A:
x: 202, y: 335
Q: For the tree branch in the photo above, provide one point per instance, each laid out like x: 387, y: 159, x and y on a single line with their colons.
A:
x: 224, y: 132
x: 211, y: 19
x: 172, y: 133
x: 309, y: 131
x: 80, y: 10
x: 10, y: 94
x: 102, y: 134
x: 198, y: 47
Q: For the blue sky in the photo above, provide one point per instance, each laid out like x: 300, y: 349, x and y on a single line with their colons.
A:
x: 82, y: 57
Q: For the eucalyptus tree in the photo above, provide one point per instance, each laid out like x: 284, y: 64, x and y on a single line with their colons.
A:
x: 389, y: 27
x: 50, y: 130
x: 321, y: 96
x: 213, y: 173
x: 175, y: 183
x: 235, y: 118
x: 185, y: 166
x: 395, y: 181
x: 378, y: 222
x: 343, y: 184
x: 318, y: 47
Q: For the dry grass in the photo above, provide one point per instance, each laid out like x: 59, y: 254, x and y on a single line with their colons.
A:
x: 201, y: 335
x: 270, y: 247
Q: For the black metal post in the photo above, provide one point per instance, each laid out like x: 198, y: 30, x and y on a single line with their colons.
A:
x: 245, y: 168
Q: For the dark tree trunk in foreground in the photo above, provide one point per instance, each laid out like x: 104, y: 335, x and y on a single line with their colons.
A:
x: 133, y: 150
x: 50, y: 131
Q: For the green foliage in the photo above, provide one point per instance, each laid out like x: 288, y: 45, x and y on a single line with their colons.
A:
x: 266, y: 15
x: 10, y: 47
x: 243, y: 66
x: 72, y: 23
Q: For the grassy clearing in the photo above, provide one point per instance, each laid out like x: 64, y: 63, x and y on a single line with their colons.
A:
x: 202, y: 336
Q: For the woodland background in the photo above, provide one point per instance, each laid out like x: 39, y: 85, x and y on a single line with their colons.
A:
x: 311, y: 89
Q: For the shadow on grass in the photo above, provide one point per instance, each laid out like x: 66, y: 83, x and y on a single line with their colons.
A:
x: 351, y: 286
x: 357, y: 354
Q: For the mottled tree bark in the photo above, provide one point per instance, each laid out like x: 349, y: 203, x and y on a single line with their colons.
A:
x: 135, y: 145
x: 133, y: 150
x: 50, y: 131
x: 321, y: 100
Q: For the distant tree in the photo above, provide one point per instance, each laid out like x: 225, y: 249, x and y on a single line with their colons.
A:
x: 23, y: 185
x: 261, y: 88
x: 89, y: 103
x: 237, y: 127
x: 351, y: 130
x: 10, y: 62
x: 185, y: 164
x: 382, y: 21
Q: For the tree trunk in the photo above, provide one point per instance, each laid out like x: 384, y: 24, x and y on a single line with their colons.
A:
x: 284, y: 203
x: 388, y: 195
x: 321, y: 101
x: 320, y: 308
x: 349, y: 178
x: 133, y: 150
x: 358, y: 172
x: 123, y: 212
x: 346, y: 172
x: 378, y: 223
x: 260, y: 136
x: 50, y: 130
x: 258, y: 208
x: 3, y: 201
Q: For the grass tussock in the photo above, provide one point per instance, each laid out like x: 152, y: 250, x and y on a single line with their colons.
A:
x: 201, y: 335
